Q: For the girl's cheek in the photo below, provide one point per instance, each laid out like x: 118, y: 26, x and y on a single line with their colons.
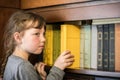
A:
x: 36, y: 40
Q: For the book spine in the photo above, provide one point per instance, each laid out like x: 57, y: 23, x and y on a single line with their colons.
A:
x: 82, y: 44
x: 48, y: 51
x: 111, y: 47
x: 56, y: 41
x: 63, y: 38
x: 117, y: 47
x: 87, y: 55
x: 94, y: 47
x: 100, y: 47
x: 70, y: 40
x: 105, y: 47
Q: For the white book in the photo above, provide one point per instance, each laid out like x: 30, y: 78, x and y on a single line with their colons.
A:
x: 82, y: 46
x: 94, y: 47
x: 87, y: 54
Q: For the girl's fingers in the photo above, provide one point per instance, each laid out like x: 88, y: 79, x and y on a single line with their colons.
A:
x: 65, y: 53
x: 69, y: 60
x: 68, y: 56
x: 40, y: 68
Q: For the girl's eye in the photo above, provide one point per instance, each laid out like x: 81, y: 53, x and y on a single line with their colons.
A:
x: 37, y: 34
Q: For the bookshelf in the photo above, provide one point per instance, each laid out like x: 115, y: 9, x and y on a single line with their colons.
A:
x: 94, y: 72
x: 81, y: 11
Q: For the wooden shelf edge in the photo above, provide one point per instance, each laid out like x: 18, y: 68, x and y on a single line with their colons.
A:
x: 81, y: 12
x: 94, y: 72
x: 29, y: 4
x: 91, y: 72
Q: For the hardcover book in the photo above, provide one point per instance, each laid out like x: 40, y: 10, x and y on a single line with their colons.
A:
x: 87, y: 54
x: 105, y: 47
x: 48, y: 51
x: 70, y: 40
x: 82, y: 46
x: 56, y: 41
x: 117, y: 47
x: 100, y: 47
x: 94, y: 47
x: 111, y: 47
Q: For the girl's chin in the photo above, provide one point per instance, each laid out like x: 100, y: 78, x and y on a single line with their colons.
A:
x: 38, y: 52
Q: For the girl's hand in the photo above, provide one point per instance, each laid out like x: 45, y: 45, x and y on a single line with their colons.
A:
x: 40, y: 69
x: 64, y: 60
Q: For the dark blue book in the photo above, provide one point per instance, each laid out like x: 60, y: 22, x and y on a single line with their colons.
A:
x: 111, y: 47
x: 105, y: 47
x: 100, y: 47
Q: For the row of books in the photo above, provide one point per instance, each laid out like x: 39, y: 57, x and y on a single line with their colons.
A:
x: 94, y: 44
x: 60, y: 38
x: 108, y: 31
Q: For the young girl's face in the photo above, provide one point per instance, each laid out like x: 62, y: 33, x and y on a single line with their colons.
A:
x: 33, y: 40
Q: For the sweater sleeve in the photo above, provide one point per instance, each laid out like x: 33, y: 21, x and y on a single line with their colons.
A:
x: 55, y: 74
x: 26, y: 72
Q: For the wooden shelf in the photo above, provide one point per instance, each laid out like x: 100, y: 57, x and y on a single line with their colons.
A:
x: 93, y: 9
x: 91, y: 72
x: 10, y: 4
x: 80, y: 11
x: 94, y: 72
x: 25, y: 4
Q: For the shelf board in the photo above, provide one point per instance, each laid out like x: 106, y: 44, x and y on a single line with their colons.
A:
x: 80, y: 11
x: 94, y: 72
x: 27, y: 4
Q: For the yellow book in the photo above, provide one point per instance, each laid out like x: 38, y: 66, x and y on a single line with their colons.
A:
x: 70, y: 40
x: 48, y: 51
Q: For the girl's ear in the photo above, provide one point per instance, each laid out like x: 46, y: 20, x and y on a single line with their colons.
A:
x: 17, y: 37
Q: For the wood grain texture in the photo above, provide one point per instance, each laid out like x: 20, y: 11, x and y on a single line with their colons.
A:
x: 10, y: 3
x: 80, y: 12
x: 4, y: 16
x: 25, y: 4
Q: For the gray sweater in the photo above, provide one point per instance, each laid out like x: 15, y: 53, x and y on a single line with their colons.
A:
x: 20, y: 69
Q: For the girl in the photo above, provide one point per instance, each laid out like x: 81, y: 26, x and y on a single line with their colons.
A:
x: 24, y: 35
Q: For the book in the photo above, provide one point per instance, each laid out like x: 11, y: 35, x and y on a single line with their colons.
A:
x: 100, y: 47
x: 117, y: 47
x: 56, y: 41
x: 70, y: 40
x: 82, y: 46
x: 94, y: 47
x: 48, y: 51
x: 105, y: 47
x: 87, y: 48
x: 111, y: 47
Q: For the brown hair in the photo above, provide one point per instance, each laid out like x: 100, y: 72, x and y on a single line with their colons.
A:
x: 18, y: 23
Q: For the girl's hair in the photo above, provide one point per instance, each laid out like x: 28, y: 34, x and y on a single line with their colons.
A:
x: 18, y: 22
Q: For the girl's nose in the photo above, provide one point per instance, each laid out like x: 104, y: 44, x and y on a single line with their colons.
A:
x: 43, y: 38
